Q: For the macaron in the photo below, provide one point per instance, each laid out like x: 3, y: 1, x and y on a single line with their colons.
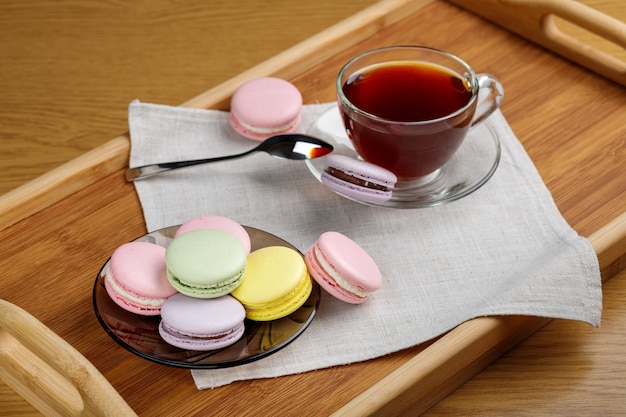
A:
x: 205, y: 263
x: 264, y: 107
x: 136, y: 278
x: 201, y: 324
x: 219, y: 223
x: 358, y: 179
x: 276, y: 283
x: 343, y: 268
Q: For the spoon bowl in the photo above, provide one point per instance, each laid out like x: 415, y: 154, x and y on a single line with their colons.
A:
x: 288, y: 146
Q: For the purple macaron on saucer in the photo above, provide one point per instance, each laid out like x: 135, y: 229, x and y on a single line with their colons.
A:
x: 473, y: 164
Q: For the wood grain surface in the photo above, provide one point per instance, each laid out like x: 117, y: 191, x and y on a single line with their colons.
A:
x: 68, y: 70
x: 572, y: 29
x: 569, y: 119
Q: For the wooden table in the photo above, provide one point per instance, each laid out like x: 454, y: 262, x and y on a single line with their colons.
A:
x: 570, y: 120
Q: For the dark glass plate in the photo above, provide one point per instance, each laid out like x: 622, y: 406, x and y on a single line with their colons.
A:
x: 140, y: 335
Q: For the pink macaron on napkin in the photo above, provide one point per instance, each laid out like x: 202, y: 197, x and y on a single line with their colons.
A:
x: 505, y: 249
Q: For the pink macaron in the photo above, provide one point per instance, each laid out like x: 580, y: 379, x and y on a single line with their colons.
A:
x: 202, y: 324
x: 358, y: 179
x: 343, y: 268
x: 264, y: 107
x: 136, y: 278
x: 218, y: 223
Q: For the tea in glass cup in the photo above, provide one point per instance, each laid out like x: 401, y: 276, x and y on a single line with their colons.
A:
x: 408, y: 108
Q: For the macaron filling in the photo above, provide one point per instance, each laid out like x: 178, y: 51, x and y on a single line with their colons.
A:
x: 145, y: 303
x: 342, y: 283
x: 221, y: 287
x: 288, y: 300
x: 231, y: 335
x: 270, y: 129
x: 357, y: 180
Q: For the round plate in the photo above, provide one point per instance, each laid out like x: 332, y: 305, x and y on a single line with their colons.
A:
x: 140, y: 335
x: 470, y: 168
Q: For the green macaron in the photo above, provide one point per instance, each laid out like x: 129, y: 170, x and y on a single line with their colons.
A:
x: 205, y: 263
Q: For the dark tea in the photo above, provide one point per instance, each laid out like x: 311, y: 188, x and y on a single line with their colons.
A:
x: 405, y: 93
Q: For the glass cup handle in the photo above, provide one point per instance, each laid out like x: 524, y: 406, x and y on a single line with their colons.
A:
x: 490, y: 94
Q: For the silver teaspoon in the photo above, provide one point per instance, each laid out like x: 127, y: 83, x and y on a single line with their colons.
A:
x: 287, y: 146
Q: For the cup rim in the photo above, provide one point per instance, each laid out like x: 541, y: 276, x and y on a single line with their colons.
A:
x: 379, y: 119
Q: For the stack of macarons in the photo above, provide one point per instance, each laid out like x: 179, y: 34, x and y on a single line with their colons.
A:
x: 208, y: 280
x: 187, y: 283
x: 211, y: 257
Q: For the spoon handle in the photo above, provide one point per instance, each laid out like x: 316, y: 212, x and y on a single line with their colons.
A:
x: 139, y: 173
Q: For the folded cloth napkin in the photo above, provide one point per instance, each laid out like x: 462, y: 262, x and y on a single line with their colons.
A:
x: 503, y: 250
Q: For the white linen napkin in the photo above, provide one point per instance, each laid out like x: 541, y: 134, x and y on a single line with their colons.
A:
x: 503, y: 250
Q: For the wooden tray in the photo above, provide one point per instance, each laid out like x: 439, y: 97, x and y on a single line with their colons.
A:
x: 569, y: 28
x: 59, y: 228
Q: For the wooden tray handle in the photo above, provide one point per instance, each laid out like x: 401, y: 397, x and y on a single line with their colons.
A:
x: 49, y: 373
x: 536, y: 20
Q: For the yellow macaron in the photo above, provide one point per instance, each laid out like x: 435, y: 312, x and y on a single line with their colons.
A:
x: 276, y: 283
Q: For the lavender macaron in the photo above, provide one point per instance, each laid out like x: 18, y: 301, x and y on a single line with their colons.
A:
x: 358, y: 179
x: 201, y: 324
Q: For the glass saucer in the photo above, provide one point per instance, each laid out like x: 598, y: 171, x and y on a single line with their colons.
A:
x: 470, y: 168
x: 140, y: 335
